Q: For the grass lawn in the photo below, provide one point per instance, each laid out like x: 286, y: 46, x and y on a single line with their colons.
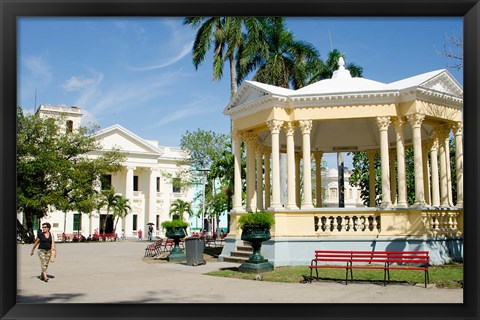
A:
x: 445, y: 276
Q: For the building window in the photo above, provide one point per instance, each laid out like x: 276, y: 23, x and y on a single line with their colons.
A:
x: 77, y: 222
x: 334, y: 193
x: 134, y: 222
x: 135, y: 183
x: 176, y: 185
x: 158, y: 184
x: 106, y: 181
x: 157, y: 221
x: 69, y: 126
x: 350, y: 193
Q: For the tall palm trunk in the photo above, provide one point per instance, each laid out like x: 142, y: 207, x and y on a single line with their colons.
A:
x: 233, y: 76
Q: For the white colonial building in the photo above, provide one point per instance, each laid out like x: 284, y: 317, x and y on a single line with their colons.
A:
x: 331, y: 190
x: 146, y: 180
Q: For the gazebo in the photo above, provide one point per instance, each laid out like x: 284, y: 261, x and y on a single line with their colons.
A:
x: 349, y: 114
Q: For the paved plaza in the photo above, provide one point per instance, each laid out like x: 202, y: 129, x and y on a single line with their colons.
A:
x: 115, y: 272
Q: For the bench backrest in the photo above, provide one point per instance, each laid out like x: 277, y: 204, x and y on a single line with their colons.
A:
x: 399, y: 257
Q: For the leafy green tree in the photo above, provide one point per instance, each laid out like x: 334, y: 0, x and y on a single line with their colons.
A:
x: 179, y: 208
x: 281, y: 60
x: 226, y: 35
x: 54, y: 170
x: 360, y: 175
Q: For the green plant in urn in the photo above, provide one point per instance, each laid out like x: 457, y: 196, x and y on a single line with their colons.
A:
x: 256, y: 229
x: 175, y: 229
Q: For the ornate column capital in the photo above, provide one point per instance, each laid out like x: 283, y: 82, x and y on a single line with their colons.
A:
x: 305, y: 126
x: 275, y: 125
x: 289, y: 128
x: 318, y: 154
x: 434, y: 146
x: 398, y: 123
x: 237, y: 134
x: 383, y: 123
x: 250, y: 137
x: 458, y: 128
x: 416, y: 119
x: 442, y: 131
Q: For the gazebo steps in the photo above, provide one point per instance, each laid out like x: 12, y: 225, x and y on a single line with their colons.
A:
x: 240, y: 255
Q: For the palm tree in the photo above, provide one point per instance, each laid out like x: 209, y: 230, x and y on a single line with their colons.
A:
x: 324, y: 70
x: 281, y: 61
x: 108, y: 199
x: 227, y: 35
x: 120, y: 210
x: 178, y: 208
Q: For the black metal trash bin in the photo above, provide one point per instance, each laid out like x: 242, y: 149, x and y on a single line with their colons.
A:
x: 194, y: 247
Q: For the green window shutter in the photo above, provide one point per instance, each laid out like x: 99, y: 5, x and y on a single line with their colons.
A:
x: 77, y: 221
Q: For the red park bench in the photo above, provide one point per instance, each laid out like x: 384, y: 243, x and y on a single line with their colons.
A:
x: 382, y: 260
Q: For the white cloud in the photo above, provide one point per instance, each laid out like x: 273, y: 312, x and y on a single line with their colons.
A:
x: 187, y: 47
x: 38, y: 68
x: 192, y: 110
x: 78, y: 83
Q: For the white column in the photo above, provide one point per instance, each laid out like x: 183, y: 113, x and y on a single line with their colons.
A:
x: 152, y: 196
x: 371, y: 178
x: 442, y: 132
x: 251, y: 200
x: 434, y: 166
x: 274, y: 126
x: 458, y: 130
x: 268, y: 153
x: 289, y: 131
x: 393, y: 177
x: 318, y: 178
x: 383, y: 123
x: 306, y: 126
x: 237, y: 187
x: 416, y: 120
x: 399, y: 125
x: 426, y: 175
x: 449, y: 171
x: 298, y: 195
x: 258, y: 153
x: 129, y: 196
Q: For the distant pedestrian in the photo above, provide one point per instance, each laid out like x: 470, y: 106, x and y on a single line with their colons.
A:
x: 140, y: 234
x: 46, y: 249
x: 123, y: 235
x: 150, y: 232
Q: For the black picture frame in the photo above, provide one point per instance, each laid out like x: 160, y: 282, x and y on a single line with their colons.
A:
x: 10, y: 10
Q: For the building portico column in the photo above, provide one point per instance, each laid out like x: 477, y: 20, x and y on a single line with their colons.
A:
x: 371, y: 178
x: 258, y: 154
x: 237, y: 187
x: 289, y: 131
x: 434, y: 166
x: 251, y: 201
x: 318, y: 178
x: 383, y: 123
x: 152, y: 196
x: 458, y: 130
x: 274, y: 126
x: 306, y: 126
x: 129, y: 195
x: 399, y: 125
x: 416, y: 120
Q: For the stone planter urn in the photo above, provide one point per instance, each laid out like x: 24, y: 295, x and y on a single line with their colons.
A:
x: 176, y: 233
x: 255, y: 235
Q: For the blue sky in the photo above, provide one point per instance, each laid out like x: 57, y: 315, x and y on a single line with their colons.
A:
x: 138, y: 72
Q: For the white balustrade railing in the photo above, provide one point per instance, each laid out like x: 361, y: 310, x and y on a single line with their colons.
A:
x: 442, y: 223
x: 368, y: 223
